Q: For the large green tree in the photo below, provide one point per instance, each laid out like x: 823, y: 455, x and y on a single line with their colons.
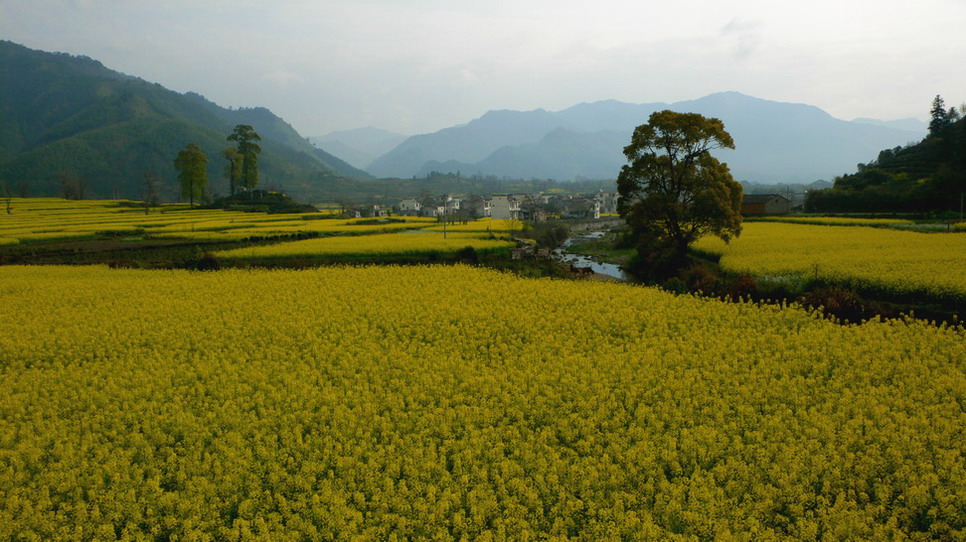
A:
x: 246, y: 136
x: 192, y: 166
x: 233, y: 169
x: 673, y: 191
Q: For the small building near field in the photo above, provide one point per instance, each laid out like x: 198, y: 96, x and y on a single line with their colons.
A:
x: 607, y: 202
x: 765, y: 204
x: 410, y: 207
x: 504, y: 207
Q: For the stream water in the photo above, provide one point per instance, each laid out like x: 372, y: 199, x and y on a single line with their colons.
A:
x: 579, y: 260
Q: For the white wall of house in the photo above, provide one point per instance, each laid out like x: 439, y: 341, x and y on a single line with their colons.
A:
x: 452, y: 204
x: 607, y: 202
x: 409, y: 206
x: 504, y: 207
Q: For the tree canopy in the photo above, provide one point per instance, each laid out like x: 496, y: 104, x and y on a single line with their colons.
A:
x: 246, y: 136
x: 233, y: 169
x: 941, y: 118
x: 192, y: 166
x: 672, y: 191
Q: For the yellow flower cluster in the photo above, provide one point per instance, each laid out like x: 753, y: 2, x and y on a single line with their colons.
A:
x: 449, y: 403
x: 874, y: 258
x: 419, y: 242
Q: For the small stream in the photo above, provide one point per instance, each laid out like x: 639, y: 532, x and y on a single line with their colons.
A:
x: 579, y: 260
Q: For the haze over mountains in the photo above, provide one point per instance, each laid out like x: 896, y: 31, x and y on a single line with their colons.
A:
x: 67, y: 117
x: 775, y: 141
x: 359, y: 147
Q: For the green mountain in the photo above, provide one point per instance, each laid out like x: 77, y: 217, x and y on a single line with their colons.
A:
x: 929, y: 176
x: 69, y: 119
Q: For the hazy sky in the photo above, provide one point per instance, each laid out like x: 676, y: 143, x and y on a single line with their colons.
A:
x: 415, y: 66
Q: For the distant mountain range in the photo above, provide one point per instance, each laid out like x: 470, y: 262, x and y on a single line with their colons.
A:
x: 64, y: 116
x: 776, y: 142
x: 68, y: 117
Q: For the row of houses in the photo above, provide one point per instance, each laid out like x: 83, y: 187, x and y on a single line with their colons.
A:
x: 512, y: 206
x: 538, y: 207
x: 445, y: 205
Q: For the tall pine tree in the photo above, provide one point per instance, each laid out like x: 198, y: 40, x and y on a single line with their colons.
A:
x: 940, y: 116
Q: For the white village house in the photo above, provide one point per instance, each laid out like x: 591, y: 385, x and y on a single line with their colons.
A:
x: 504, y: 207
x: 607, y: 202
x: 409, y: 207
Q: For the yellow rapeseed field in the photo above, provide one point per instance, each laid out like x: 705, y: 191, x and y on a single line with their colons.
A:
x: 484, y: 225
x: 876, y: 258
x: 376, y: 244
x: 454, y: 403
x: 36, y: 219
x: 834, y: 220
x: 289, y: 225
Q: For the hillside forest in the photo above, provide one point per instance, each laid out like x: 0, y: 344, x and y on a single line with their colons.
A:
x: 927, y: 176
x: 68, y: 120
